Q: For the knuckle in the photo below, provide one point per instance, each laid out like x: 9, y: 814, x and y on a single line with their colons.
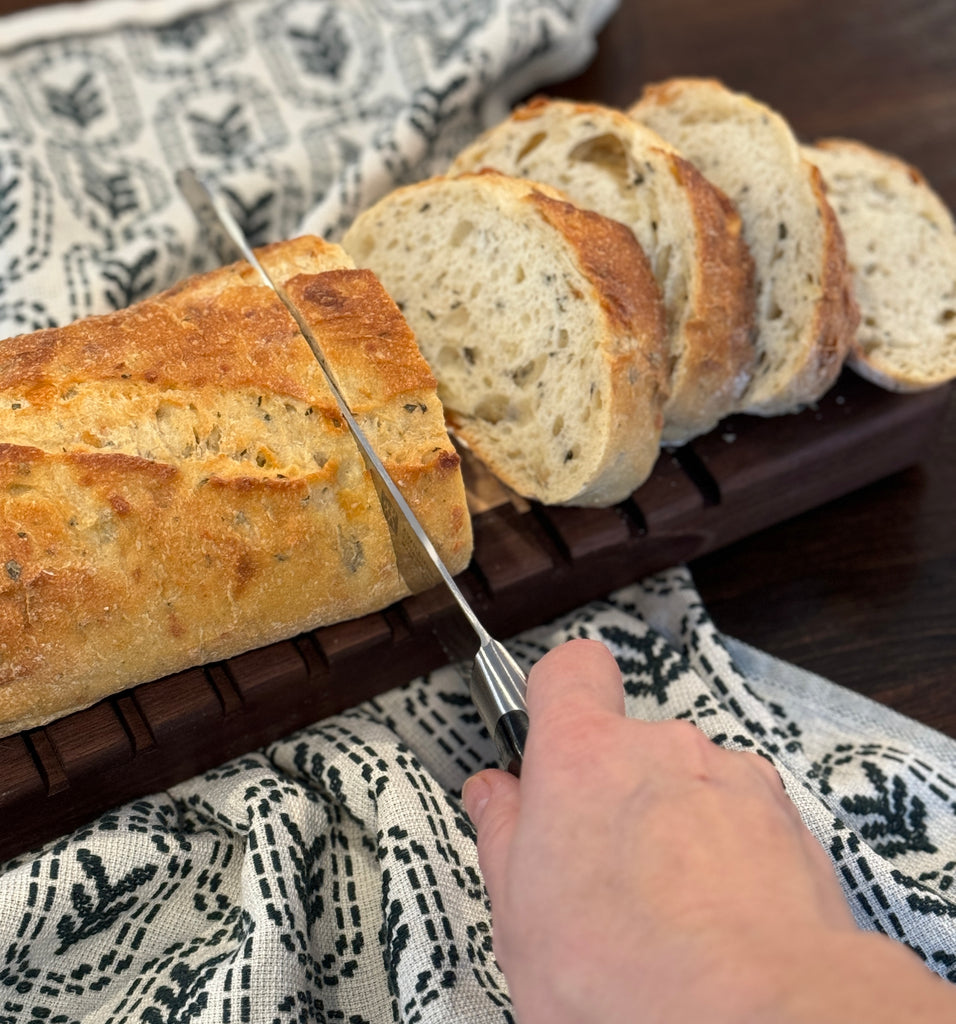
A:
x: 684, y: 744
x: 762, y: 766
x: 687, y: 737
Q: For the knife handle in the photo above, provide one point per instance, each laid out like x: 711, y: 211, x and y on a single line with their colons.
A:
x: 498, y: 688
x: 511, y: 734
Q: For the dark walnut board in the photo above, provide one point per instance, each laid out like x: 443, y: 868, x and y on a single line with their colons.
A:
x: 530, y: 564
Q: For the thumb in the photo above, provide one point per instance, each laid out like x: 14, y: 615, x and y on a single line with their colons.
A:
x: 492, y: 799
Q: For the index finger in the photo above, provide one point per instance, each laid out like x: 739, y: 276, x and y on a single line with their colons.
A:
x: 581, y: 675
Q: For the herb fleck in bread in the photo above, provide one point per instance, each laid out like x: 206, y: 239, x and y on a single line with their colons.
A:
x: 901, y: 245
x: 806, y: 315
x: 542, y: 323
x: 176, y: 485
x: 605, y: 161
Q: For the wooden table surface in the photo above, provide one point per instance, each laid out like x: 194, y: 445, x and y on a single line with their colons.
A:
x: 862, y: 590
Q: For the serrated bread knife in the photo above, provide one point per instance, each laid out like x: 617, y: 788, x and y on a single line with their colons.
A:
x: 497, y: 683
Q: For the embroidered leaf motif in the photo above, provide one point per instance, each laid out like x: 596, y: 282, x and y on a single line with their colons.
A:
x: 223, y: 136
x: 308, y: 875
x: 253, y: 217
x: 924, y: 900
x: 648, y: 664
x: 114, y: 192
x: 430, y: 106
x: 187, y: 996
x: 184, y: 34
x: 446, y: 42
x: 8, y: 207
x: 325, y: 49
x: 96, y: 909
x: 896, y: 821
x: 81, y: 103
x: 130, y: 280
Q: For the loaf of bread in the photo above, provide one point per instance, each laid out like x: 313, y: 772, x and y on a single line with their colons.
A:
x: 604, y: 160
x: 177, y: 486
x: 901, y: 245
x: 541, y: 321
x: 806, y: 316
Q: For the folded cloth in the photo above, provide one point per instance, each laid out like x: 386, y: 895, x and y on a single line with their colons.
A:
x: 303, y: 111
x: 333, y: 875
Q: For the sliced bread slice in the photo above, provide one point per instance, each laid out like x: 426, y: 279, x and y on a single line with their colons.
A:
x: 542, y: 323
x: 604, y: 160
x: 901, y: 244
x: 806, y: 314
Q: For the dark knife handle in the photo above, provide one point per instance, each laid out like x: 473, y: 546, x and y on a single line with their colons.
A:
x: 498, y: 688
x: 511, y: 735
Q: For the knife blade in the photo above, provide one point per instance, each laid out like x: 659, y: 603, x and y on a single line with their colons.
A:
x: 498, y: 685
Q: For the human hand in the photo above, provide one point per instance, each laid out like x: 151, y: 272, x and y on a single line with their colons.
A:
x: 640, y: 872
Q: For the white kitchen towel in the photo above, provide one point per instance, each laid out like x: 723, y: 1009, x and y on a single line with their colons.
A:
x: 333, y: 876
x: 303, y: 111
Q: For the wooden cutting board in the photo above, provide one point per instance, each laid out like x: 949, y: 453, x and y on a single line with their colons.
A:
x: 531, y: 564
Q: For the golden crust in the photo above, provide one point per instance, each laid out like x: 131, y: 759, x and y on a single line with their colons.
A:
x: 617, y: 266
x: 839, y: 143
x: 826, y: 340
x: 668, y: 91
x: 872, y: 354
x: 636, y: 341
x: 367, y: 339
x: 719, y: 356
x: 176, y: 485
x: 837, y: 315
